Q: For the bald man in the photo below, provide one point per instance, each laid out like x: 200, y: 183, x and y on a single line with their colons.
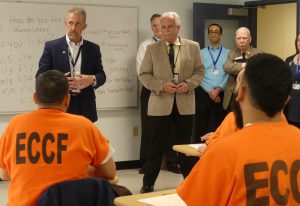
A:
x: 236, y: 60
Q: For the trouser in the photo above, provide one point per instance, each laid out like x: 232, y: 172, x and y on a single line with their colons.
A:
x: 145, y: 125
x: 209, y: 114
x: 160, y: 131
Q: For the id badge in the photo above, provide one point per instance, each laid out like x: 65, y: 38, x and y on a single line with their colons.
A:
x: 215, y: 72
x: 296, y: 86
x: 175, y: 78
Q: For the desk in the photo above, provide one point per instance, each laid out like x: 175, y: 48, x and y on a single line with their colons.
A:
x: 187, y: 150
x: 132, y: 200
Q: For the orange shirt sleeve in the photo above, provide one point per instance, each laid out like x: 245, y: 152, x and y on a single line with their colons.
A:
x: 226, y: 128
x: 101, y: 146
x: 203, y: 188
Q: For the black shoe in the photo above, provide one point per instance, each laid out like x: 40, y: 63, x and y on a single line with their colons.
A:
x: 174, y: 168
x: 142, y: 170
x: 146, y: 189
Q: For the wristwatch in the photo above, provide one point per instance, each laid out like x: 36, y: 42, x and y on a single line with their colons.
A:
x: 94, y: 80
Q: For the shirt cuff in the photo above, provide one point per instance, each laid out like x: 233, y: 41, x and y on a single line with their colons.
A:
x: 111, y: 151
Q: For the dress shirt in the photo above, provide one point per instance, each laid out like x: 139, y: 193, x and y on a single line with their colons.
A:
x: 142, y: 50
x: 74, y: 48
x: 214, y: 77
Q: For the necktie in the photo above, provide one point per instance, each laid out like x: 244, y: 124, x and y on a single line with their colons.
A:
x: 244, y: 56
x: 171, y: 55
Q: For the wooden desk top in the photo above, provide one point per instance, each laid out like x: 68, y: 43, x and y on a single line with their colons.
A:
x: 132, y: 200
x: 187, y: 150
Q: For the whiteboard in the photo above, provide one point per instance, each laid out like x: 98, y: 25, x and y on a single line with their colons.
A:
x: 24, y: 29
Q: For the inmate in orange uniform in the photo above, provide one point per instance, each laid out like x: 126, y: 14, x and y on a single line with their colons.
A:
x: 48, y: 146
x: 228, y: 126
x: 257, y: 165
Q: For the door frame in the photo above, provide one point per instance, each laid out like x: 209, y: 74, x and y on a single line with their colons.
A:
x: 255, y: 4
x: 200, y: 15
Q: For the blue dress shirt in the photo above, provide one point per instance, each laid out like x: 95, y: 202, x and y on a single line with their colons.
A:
x: 214, y: 75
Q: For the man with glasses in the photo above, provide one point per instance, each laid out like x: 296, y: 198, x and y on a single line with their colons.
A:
x: 236, y: 61
x: 171, y: 69
x: 209, y: 95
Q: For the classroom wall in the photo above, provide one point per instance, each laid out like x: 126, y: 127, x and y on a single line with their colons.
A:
x: 119, y: 125
x: 284, y: 26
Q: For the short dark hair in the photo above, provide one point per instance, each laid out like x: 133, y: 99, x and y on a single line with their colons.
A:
x: 269, y: 80
x: 154, y: 16
x: 51, y: 87
x: 215, y: 24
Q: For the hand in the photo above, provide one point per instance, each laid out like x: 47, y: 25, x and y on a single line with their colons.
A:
x: 217, y: 99
x: 73, y: 83
x: 84, y: 80
x: 182, y: 88
x: 169, y: 87
x: 80, y: 81
x: 206, y: 136
x: 214, y: 93
x: 202, y: 148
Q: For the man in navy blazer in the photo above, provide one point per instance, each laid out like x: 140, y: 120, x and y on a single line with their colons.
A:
x: 80, y: 60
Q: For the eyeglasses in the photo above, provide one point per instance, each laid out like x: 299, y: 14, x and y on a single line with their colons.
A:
x: 214, y: 32
x: 169, y: 27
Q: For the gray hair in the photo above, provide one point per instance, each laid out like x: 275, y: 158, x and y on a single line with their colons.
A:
x: 172, y: 14
x: 78, y: 10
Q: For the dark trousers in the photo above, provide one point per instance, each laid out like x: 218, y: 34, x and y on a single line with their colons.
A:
x: 209, y: 114
x: 171, y: 155
x: 158, y: 144
x: 145, y: 125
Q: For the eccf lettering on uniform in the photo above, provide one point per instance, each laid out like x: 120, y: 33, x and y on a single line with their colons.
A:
x: 34, y: 155
x: 280, y: 171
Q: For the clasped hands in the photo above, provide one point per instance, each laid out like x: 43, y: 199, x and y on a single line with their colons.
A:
x: 172, y: 88
x: 80, y: 81
x: 214, y: 95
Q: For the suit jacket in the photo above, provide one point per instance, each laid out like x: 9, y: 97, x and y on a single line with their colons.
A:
x: 156, y: 69
x: 233, y: 68
x: 55, y: 56
x: 88, y: 192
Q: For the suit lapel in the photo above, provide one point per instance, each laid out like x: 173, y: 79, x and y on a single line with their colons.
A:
x: 183, y: 49
x: 84, y: 57
x: 64, y: 53
x: 163, y: 50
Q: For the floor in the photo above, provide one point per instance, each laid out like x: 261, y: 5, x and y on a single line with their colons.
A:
x: 129, y: 178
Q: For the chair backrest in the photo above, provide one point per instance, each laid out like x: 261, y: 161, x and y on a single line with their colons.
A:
x: 82, y: 192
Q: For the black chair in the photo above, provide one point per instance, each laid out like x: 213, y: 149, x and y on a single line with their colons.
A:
x: 82, y: 192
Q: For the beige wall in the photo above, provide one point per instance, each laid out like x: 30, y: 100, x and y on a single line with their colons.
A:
x: 276, y: 29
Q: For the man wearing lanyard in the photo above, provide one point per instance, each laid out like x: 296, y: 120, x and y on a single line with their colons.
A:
x: 171, y: 159
x: 79, y: 60
x: 209, y: 95
x: 171, y: 69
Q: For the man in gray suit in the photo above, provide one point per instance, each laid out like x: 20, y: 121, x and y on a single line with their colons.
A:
x: 236, y: 61
x: 171, y: 69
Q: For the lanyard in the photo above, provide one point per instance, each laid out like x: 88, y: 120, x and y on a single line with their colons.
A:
x: 176, y: 58
x: 73, y: 64
x: 212, y: 58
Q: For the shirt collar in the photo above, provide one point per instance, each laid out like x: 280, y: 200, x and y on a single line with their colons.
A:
x: 248, y: 52
x: 70, y: 43
x: 177, y: 42
x: 155, y: 38
x: 214, y: 48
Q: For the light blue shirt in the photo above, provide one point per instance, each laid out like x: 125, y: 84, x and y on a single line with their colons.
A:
x: 214, y: 76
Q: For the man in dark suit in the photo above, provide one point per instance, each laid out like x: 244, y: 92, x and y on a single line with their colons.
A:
x: 80, y: 60
x: 171, y: 70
